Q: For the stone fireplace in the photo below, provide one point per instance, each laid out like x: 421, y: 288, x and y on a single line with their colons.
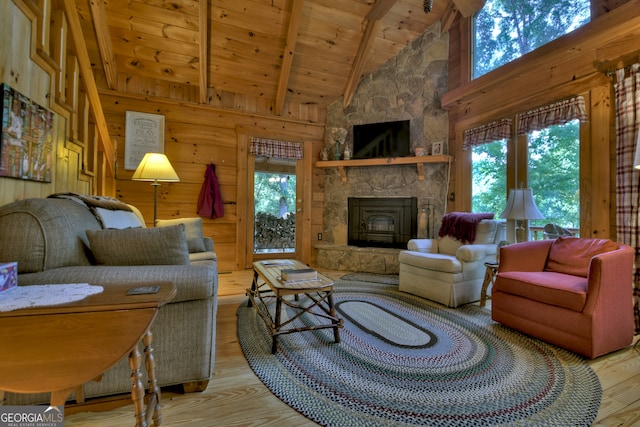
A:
x: 407, y: 87
x: 382, y: 222
x: 339, y: 249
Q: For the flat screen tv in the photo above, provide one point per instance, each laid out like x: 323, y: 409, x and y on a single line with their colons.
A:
x: 380, y: 140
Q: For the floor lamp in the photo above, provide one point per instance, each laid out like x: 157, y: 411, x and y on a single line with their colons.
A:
x: 155, y: 167
x: 521, y: 206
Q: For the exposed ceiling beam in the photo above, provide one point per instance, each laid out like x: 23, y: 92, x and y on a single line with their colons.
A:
x: 366, y: 42
x: 86, y: 72
x: 204, y: 49
x: 377, y: 12
x: 287, y: 54
x: 448, y: 17
x: 99, y: 16
x: 380, y: 9
x: 468, y: 7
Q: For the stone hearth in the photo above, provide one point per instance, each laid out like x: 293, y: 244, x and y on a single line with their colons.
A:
x: 352, y: 258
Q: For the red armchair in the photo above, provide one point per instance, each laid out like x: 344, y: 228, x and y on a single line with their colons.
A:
x: 572, y: 292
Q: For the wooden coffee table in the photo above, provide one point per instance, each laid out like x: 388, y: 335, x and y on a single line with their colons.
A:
x: 57, y: 348
x: 318, y: 299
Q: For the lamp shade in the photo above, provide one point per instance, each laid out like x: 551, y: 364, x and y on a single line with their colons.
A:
x: 520, y: 205
x: 155, y: 167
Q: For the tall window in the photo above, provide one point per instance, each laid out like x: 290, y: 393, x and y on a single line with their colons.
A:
x: 489, y: 177
x: 553, y: 167
x: 489, y: 164
x: 554, y: 173
x: 504, y: 30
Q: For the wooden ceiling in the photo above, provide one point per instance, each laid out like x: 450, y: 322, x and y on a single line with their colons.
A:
x: 297, y: 51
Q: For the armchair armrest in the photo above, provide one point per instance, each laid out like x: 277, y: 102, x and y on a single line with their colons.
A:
x: 423, y: 245
x: 526, y: 256
x: 468, y: 253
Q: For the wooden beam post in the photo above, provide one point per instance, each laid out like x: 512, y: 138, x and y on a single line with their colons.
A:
x: 287, y: 55
x: 99, y: 15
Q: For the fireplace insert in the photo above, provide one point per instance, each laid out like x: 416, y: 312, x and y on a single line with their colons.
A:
x: 382, y: 222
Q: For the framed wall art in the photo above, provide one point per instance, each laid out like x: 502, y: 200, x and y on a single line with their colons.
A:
x: 436, y: 148
x: 144, y: 133
x: 26, y: 144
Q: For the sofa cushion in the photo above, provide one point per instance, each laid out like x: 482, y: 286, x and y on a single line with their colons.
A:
x: 437, y: 262
x: 562, y: 290
x: 448, y: 245
x: 193, y: 228
x: 486, y: 232
x: 571, y: 255
x: 140, y: 246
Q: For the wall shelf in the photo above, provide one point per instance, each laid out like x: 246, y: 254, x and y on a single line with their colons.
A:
x: 342, y: 165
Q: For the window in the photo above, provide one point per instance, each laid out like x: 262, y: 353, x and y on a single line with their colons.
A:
x: 554, y: 174
x: 504, y: 30
x: 489, y: 172
x: 489, y: 164
x: 275, y: 205
x: 551, y: 136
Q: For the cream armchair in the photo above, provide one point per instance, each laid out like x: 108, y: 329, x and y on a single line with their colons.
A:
x: 447, y: 271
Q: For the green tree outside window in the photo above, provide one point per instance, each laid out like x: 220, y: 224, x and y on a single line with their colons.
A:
x: 507, y: 29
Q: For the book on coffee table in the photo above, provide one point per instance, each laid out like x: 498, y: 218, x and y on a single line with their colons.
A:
x: 298, y: 274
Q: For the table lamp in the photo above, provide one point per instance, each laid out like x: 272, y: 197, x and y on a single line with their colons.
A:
x: 155, y: 167
x: 521, y: 206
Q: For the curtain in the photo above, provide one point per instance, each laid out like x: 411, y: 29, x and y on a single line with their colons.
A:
x: 494, y: 131
x: 627, y: 93
x: 557, y: 113
x: 275, y: 148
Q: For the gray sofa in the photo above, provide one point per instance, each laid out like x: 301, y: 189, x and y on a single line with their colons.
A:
x: 50, y: 239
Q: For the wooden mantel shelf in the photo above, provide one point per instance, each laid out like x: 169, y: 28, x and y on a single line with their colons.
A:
x: 419, y: 161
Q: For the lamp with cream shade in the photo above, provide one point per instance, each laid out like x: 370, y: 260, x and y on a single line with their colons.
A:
x: 521, y: 206
x: 155, y: 167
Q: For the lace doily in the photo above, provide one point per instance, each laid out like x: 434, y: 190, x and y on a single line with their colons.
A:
x: 45, y: 295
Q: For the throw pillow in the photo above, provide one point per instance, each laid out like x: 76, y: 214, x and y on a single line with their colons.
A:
x: 140, y: 246
x: 118, y: 219
x: 572, y: 255
x: 193, y: 228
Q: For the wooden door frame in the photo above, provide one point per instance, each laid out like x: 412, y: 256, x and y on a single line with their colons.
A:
x: 244, y: 253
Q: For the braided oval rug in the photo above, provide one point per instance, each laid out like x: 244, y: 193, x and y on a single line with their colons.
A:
x: 403, y: 360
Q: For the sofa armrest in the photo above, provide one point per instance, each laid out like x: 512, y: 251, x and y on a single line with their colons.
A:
x: 468, y: 253
x: 208, y: 244
x: 423, y: 245
x: 610, y: 273
x: 526, y: 256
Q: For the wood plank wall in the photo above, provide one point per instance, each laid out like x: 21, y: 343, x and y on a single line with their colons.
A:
x: 196, y: 135
x: 41, y: 61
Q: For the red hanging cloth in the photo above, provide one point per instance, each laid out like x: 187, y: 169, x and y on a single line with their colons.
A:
x: 210, y: 202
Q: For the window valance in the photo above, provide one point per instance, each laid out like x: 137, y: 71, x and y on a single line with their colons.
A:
x: 557, y: 113
x: 275, y: 148
x: 485, y: 134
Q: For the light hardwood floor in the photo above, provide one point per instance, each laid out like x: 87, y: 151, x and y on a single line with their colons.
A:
x: 236, y: 397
